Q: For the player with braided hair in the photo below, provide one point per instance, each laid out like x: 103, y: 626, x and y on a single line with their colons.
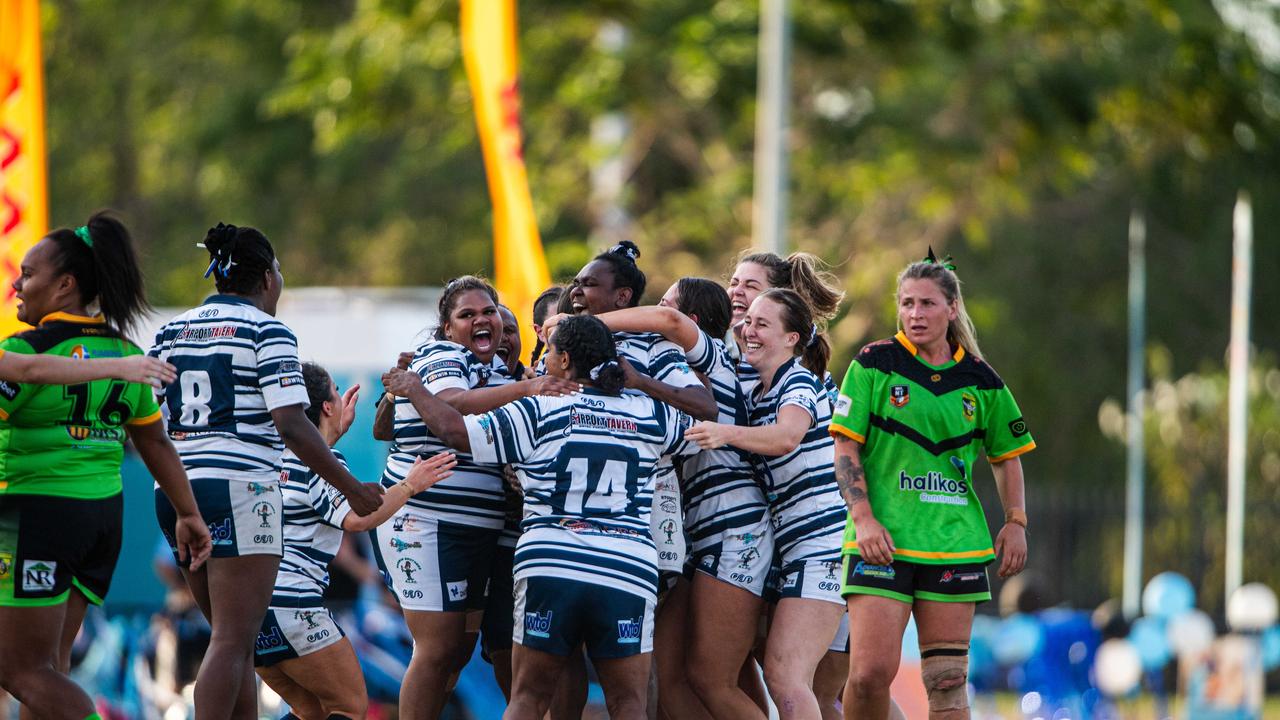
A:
x: 240, y: 399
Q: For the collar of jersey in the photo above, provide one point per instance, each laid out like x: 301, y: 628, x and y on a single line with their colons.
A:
x: 901, y: 337
x: 69, y: 317
x: 228, y: 299
x: 773, y: 382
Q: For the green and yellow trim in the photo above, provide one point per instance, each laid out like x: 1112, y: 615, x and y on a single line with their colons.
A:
x: 70, y: 317
x: 916, y: 555
x: 901, y: 337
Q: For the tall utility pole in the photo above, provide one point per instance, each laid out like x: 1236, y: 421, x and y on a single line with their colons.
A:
x: 773, y: 97
x: 1135, y: 457
x: 1238, y: 387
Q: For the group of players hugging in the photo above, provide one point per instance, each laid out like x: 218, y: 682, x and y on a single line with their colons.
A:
x: 679, y: 490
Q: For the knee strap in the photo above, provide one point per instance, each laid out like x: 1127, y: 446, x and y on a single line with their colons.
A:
x: 944, y: 667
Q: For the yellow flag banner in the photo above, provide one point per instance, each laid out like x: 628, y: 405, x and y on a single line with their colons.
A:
x: 23, y: 203
x: 489, y: 53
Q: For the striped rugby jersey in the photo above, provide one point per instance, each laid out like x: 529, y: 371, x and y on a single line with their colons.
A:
x: 501, y: 375
x: 720, y: 490
x: 586, y: 464
x: 235, y: 365
x: 808, y: 512
x: 473, y: 494
x: 312, y: 530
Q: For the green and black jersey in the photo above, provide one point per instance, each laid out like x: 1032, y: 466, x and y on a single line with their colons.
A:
x: 68, y: 440
x: 922, y: 428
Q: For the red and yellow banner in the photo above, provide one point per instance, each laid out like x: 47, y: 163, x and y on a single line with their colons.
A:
x: 489, y: 53
x: 24, y: 205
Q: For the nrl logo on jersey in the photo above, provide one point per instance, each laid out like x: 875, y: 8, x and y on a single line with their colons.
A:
x: 899, y: 395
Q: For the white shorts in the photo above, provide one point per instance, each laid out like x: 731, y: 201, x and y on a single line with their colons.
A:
x: 666, y: 523
x: 841, y: 642
x: 289, y: 633
x: 810, y: 579
x: 433, y: 565
x: 741, y: 558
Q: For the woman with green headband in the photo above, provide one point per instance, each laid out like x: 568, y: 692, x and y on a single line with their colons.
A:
x: 61, y: 513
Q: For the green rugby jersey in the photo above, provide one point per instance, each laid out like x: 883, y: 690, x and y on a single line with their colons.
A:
x: 68, y: 440
x: 923, y: 428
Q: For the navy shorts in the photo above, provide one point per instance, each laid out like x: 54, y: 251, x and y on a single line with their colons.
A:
x: 243, y: 515
x: 557, y: 615
x: 430, y: 565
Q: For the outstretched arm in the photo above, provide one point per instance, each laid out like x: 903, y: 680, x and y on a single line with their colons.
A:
x: 55, y: 370
x: 422, y: 475
x: 667, y: 322
x: 771, y: 440
x: 302, y: 437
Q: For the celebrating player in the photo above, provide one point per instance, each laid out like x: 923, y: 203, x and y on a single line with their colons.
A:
x: 300, y: 651
x: 586, y: 567
x: 915, y: 411
x: 438, y: 552
x: 239, y: 400
x: 61, y: 510
x: 789, y: 413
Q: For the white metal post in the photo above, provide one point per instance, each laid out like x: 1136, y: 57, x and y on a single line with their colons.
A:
x: 1135, y: 457
x: 1238, y: 388
x: 773, y: 98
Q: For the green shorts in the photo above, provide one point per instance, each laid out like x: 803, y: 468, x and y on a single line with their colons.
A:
x: 50, y: 544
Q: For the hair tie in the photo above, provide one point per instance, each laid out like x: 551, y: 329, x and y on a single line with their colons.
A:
x: 629, y: 252
x: 595, y: 371
x: 82, y: 232
x: 945, y: 262
x: 813, y: 335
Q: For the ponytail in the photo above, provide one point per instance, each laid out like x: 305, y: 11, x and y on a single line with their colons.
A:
x: 101, y: 258
x: 805, y: 274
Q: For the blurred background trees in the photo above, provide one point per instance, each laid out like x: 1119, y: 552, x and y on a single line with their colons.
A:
x: 1016, y: 136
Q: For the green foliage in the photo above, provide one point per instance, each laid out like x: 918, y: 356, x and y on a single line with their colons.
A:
x: 1015, y: 135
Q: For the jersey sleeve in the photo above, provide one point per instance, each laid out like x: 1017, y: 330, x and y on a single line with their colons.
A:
x: 1007, y: 434
x: 279, y: 372
x: 442, y: 367
x: 505, y: 435
x: 325, y: 499
x: 702, y: 356
x: 677, y: 423
x: 852, y: 412
x: 667, y: 363
x: 157, y: 351
x: 798, y: 391
x: 13, y: 394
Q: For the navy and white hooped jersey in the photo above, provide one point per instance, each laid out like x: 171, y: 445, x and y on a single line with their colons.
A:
x: 720, y: 491
x: 807, y: 510
x: 587, y: 465
x: 235, y: 365
x: 749, y: 377
x: 473, y: 494
x: 312, y: 529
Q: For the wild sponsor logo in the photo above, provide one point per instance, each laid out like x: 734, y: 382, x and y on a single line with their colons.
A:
x: 271, y: 641
x: 968, y: 406
x: 832, y: 568
x: 309, y: 617
x: 538, y: 624
x: 899, y: 395
x: 258, y: 488
x: 747, y: 556
x: 10, y: 390
x: 457, y: 590
x: 843, y: 404
x: 668, y: 505
x: 6, y: 565
x: 934, y: 487
x: 222, y: 532
x: 629, y: 630
x: 404, y: 523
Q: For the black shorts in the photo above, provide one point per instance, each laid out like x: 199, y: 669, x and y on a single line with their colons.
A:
x: 50, y: 544
x: 498, y: 622
x: 908, y: 581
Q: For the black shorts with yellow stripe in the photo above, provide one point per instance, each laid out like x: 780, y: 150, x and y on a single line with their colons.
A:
x: 908, y: 581
x: 50, y: 545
